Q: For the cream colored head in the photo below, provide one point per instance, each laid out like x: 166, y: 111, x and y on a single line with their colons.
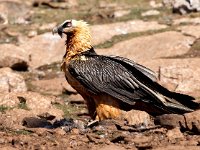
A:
x: 71, y: 26
x: 78, y: 35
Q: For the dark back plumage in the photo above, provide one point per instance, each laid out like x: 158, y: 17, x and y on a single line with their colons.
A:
x: 128, y: 82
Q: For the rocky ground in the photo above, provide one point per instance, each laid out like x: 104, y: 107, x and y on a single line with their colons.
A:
x: 39, y: 110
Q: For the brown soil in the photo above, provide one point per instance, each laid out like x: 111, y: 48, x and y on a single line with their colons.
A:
x: 75, y: 130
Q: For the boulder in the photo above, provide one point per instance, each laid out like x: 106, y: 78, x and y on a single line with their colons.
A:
x: 144, y: 49
x: 44, y: 49
x: 170, y: 120
x: 193, y: 121
x: 192, y: 30
x: 14, y: 57
x: 55, y: 86
x: 186, y: 122
x: 11, y: 81
x: 178, y: 74
x: 110, y: 30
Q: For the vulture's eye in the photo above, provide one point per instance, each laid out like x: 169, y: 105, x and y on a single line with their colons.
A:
x: 67, y: 24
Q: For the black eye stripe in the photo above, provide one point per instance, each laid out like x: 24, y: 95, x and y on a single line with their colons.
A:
x: 67, y: 24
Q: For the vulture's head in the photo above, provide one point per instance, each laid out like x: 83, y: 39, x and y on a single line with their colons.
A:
x: 78, y: 38
x: 70, y: 27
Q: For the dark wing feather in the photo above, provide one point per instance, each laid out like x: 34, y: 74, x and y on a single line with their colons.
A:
x: 122, y: 79
x: 146, y: 71
x: 101, y: 74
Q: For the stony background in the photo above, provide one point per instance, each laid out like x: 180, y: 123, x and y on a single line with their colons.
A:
x: 39, y: 109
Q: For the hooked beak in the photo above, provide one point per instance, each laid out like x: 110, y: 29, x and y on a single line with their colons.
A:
x: 58, y: 30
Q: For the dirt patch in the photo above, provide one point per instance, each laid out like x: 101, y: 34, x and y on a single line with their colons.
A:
x: 49, y: 114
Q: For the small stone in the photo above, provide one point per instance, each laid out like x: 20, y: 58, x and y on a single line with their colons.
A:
x: 117, y: 137
x: 32, y: 34
x: 121, y: 13
x: 46, y: 116
x: 140, y: 139
x: 60, y: 131
x: 80, y: 124
x: 3, y: 19
x: 93, y: 138
x: 153, y: 4
x: 76, y: 99
x: 33, y: 122
x: 175, y: 134
x: 2, y: 141
x: 138, y: 118
x: 75, y: 131
x: 150, y: 13
x: 170, y: 120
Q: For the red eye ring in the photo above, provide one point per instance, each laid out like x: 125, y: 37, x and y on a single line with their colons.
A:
x: 67, y: 24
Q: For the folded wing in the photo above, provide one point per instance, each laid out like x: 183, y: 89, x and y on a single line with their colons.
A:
x: 127, y: 81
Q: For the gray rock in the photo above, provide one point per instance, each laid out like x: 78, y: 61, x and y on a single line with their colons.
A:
x: 183, y: 6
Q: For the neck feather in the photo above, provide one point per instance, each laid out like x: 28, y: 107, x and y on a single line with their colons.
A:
x: 78, y: 41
